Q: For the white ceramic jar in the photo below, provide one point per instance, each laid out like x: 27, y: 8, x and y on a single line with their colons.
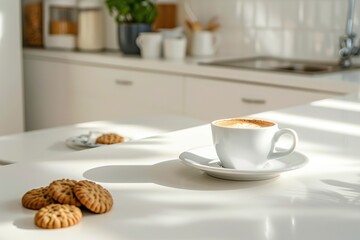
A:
x: 204, y: 43
x: 90, y: 25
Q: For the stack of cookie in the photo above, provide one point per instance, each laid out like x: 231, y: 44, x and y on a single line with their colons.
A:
x: 59, y: 203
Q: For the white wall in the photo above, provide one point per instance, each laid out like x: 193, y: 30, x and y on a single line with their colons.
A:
x: 291, y: 28
x: 304, y: 29
x: 11, y: 86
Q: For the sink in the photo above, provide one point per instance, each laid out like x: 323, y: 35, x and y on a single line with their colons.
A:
x: 282, y: 65
x: 309, y: 68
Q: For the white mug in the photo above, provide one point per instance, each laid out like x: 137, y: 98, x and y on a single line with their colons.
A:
x: 242, y: 143
x: 204, y: 43
x: 150, y: 44
x: 171, y: 32
x: 175, y: 48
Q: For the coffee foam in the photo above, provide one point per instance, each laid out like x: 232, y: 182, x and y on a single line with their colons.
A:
x: 243, y: 123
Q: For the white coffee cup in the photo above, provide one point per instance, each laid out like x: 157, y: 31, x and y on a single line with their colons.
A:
x: 175, y: 48
x: 242, y: 143
x: 204, y: 43
x: 150, y: 44
x: 171, y: 32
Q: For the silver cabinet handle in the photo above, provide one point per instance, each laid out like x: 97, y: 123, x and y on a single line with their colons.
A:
x: 253, y: 101
x: 123, y: 82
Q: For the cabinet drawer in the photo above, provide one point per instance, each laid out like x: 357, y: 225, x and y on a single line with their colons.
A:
x: 212, y: 99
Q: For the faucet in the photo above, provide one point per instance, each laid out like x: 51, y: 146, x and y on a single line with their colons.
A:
x: 347, y: 41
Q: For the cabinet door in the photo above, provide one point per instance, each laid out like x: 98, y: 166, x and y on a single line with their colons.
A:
x: 212, y: 99
x: 61, y: 93
x: 47, y: 95
x: 105, y: 93
x: 11, y: 88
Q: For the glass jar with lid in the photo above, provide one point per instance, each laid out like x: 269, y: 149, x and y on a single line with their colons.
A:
x: 90, y: 25
x: 32, y: 23
x: 60, y: 24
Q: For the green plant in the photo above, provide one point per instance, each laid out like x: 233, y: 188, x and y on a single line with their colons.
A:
x: 132, y: 11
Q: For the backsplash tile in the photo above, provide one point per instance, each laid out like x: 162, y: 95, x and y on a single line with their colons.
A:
x: 325, y: 15
x: 234, y: 10
x: 290, y: 14
x: 260, y: 14
x: 269, y: 42
x: 274, y: 18
x: 289, y: 47
x: 307, y: 29
x: 339, y: 16
x: 248, y: 12
x: 310, y: 13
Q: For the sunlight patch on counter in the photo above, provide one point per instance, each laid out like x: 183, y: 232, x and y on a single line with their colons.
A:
x: 313, y: 123
x: 338, y: 104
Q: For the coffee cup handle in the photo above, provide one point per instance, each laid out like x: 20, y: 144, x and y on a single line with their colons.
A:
x: 278, y: 134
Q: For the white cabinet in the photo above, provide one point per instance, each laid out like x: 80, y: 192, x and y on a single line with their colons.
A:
x: 11, y: 87
x: 212, y: 99
x: 61, y: 93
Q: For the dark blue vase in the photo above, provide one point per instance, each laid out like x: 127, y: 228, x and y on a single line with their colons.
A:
x: 127, y: 34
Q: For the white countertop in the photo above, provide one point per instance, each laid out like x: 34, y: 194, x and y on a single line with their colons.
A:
x: 158, y: 197
x: 339, y: 82
x: 47, y: 143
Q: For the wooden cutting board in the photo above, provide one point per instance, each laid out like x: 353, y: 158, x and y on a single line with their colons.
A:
x: 167, y: 16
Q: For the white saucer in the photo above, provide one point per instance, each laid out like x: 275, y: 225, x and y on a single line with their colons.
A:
x: 86, y: 140
x: 206, y: 159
